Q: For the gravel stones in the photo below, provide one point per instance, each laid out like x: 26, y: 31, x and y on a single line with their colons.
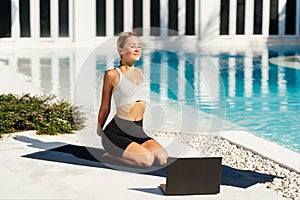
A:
x: 238, y: 157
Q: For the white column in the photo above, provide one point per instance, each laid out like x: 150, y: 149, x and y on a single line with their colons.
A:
x: 146, y: 17
x: 205, y: 95
x: 85, y: 90
x: 163, y: 79
x: 231, y: 77
x: 71, y: 20
x: 54, y: 8
x: 92, y: 20
x: 298, y: 78
x: 210, y: 83
x: 72, y: 76
x: 181, y: 17
x: 35, y: 19
x: 281, y: 17
x: 164, y: 19
x: 214, y: 83
x: 209, y: 20
x: 298, y: 17
x: 84, y: 21
x: 265, y: 18
x: 128, y: 15
x: 109, y: 18
x: 248, y: 64
x: 249, y: 17
x: 55, y: 75
x: 282, y: 88
x: 197, y: 77
x: 15, y: 19
x: 147, y: 67
x: 36, y: 70
x: 232, y: 17
x: 281, y: 82
x: 181, y: 80
x: 13, y: 62
x: 197, y: 19
x: 265, y: 72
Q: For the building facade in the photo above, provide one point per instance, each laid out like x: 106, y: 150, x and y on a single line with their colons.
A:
x: 80, y: 21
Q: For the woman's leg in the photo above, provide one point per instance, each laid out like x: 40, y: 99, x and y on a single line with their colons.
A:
x: 159, y: 152
x: 133, y: 154
x: 140, y: 155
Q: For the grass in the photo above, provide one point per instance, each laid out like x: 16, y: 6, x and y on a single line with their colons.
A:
x: 44, y: 114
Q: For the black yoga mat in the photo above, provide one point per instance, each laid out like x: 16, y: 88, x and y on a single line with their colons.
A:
x: 89, y: 156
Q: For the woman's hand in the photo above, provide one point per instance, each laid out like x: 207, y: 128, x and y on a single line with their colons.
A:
x: 99, y: 130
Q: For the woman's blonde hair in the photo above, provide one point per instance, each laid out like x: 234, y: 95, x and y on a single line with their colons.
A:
x: 121, y: 40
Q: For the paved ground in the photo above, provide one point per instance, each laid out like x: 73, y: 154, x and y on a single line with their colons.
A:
x: 29, y: 171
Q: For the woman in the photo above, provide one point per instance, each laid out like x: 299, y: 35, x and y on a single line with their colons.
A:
x: 124, y: 138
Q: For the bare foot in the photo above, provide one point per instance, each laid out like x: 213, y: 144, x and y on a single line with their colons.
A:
x: 119, y: 159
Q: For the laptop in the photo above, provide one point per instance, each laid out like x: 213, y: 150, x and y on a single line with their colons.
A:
x: 187, y: 176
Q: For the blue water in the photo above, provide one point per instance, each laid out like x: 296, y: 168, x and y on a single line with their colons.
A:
x: 267, y: 104
x: 273, y: 114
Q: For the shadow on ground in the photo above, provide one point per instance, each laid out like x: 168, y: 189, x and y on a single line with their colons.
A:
x: 92, y: 157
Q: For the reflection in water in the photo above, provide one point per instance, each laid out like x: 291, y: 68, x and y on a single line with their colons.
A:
x: 24, y: 66
x: 256, y: 94
x: 47, y: 74
x: 54, y: 74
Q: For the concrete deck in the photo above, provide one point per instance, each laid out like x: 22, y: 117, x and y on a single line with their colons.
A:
x: 287, y: 61
x: 26, y: 178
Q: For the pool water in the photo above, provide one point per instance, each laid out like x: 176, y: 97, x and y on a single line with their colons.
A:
x: 241, y: 86
x: 246, y: 90
x: 270, y: 110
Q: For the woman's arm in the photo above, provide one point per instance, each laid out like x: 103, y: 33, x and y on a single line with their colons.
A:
x: 108, y: 85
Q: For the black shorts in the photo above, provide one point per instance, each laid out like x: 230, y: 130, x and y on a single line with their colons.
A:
x: 119, y: 133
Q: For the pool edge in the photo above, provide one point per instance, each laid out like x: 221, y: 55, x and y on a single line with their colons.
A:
x: 270, y: 150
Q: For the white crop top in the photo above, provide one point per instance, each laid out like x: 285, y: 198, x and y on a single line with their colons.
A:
x: 127, y: 92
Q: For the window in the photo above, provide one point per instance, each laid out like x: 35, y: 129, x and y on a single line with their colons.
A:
x: 273, y: 28
x: 138, y: 15
x: 190, y: 17
x: 5, y: 18
x: 224, y: 26
x: 155, y: 17
x: 290, y: 20
x: 24, y: 18
x: 101, y: 18
x: 45, y: 18
x: 240, y: 15
x: 257, y: 26
x: 173, y: 17
x: 118, y: 16
x: 63, y: 18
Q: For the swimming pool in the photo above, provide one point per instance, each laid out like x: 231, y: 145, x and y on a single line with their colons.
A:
x: 242, y: 86
x: 269, y: 105
x: 248, y: 90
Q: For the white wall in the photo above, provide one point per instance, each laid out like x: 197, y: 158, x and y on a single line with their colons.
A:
x: 209, y: 19
x: 84, y: 21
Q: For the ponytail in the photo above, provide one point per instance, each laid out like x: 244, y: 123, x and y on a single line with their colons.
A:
x: 120, y: 60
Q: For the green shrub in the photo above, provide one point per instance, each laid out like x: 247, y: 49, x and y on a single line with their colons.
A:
x: 44, y: 114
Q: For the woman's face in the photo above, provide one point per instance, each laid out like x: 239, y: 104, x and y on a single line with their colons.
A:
x: 132, y: 49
